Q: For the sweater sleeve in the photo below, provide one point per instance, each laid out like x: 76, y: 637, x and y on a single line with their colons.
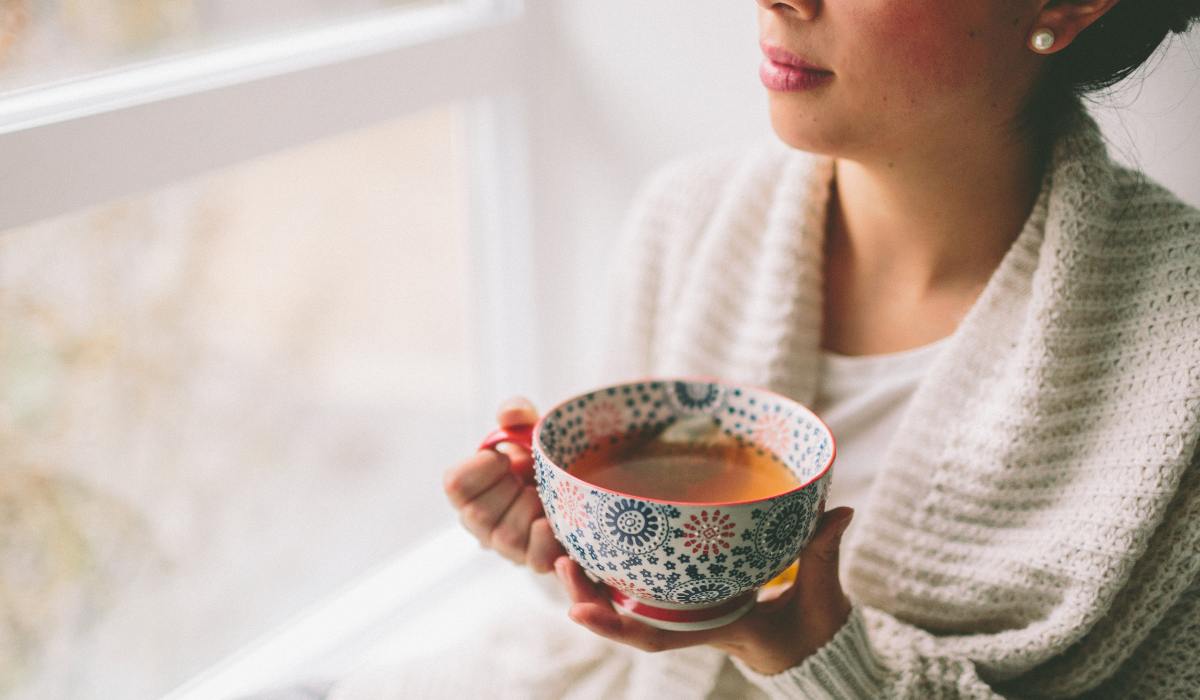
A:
x: 854, y: 664
x: 851, y: 666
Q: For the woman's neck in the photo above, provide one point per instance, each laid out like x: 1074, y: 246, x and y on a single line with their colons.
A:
x: 913, y: 240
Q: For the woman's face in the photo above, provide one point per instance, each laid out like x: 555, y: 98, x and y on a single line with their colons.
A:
x: 881, y: 79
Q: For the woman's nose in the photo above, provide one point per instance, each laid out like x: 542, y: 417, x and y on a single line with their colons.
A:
x: 803, y: 9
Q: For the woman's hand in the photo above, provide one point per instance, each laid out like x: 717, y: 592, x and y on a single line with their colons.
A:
x: 501, y: 510
x: 773, y: 637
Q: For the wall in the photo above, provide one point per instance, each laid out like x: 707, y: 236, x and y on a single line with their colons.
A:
x: 1152, y: 119
x: 633, y: 85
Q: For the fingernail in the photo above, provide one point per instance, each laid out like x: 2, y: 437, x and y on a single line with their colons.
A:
x: 845, y: 524
x: 516, y: 403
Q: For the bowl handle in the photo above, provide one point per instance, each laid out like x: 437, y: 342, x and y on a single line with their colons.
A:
x: 518, y: 435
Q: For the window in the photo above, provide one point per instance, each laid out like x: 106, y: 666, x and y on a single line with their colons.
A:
x: 225, y: 398
x: 55, y: 40
x: 253, y: 301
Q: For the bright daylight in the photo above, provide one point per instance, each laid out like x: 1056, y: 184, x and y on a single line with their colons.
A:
x: 562, y: 350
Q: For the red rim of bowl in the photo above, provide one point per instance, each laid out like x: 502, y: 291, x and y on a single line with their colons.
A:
x: 537, y: 433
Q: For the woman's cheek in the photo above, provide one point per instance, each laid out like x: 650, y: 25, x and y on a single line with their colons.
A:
x: 918, y: 52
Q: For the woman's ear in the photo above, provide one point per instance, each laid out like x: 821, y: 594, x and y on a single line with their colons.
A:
x: 1060, y: 21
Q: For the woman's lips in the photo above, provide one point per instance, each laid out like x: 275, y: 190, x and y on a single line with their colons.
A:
x: 782, y: 71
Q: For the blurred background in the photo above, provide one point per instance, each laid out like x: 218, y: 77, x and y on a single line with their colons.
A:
x: 266, y: 267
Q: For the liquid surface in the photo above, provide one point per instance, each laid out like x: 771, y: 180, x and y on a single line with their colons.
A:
x: 693, y: 471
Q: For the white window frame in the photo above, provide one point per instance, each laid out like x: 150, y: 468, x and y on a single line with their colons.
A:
x: 78, y: 143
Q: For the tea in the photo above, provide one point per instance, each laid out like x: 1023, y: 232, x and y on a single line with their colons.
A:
x: 682, y: 465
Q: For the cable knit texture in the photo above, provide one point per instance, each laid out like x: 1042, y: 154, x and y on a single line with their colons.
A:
x: 1034, y: 527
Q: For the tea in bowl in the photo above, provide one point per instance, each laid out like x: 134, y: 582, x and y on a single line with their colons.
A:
x: 682, y: 496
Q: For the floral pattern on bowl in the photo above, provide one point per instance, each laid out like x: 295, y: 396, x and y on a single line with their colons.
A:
x: 682, y: 555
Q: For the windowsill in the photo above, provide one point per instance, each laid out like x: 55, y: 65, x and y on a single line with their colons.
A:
x: 425, y: 601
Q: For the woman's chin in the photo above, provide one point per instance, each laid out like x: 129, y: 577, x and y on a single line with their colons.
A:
x: 803, y: 129
x: 804, y: 139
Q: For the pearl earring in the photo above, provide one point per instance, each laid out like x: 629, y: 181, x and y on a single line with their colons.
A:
x: 1043, y: 39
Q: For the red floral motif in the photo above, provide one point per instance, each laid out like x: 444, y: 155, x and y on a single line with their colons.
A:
x: 771, y: 433
x: 604, y: 419
x: 707, y: 534
x: 569, y: 502
x: 627, y: 588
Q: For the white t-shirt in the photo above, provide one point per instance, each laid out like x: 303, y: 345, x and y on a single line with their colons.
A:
x: 861, y: 399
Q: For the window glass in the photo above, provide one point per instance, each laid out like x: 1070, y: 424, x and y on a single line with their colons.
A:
x: 45, y: 40
x: 222, y: 401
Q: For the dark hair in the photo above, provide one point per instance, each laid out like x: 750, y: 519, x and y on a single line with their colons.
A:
x: 1122, y: 39
x: 1108, y: 50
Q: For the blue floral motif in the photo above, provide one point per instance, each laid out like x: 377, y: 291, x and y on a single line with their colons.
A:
x: 696, y: 397
x: 604, y: 549
x: 543, y: 473
x: 633, y: 526
x: 781, y: 531
x: 707, y: 590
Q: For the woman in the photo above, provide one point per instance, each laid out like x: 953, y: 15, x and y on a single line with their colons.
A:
x: 1031, y: 524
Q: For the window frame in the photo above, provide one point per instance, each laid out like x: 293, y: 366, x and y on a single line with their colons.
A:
x: 71, y: 145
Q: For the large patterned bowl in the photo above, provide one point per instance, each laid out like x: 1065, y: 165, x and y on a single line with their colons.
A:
x: 682, y: 565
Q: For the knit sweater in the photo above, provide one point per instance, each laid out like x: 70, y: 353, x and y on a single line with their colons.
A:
x: 1034, y: 528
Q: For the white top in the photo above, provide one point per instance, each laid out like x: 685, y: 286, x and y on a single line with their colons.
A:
x: 861, y: 399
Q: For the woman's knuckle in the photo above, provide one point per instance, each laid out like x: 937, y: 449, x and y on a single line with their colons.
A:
x: 508, y: 539
x: 476, y: 515
x: 453, y: 482
x: 477, y: 532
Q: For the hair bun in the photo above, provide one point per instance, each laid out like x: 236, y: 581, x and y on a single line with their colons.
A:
x: 1181, y: 14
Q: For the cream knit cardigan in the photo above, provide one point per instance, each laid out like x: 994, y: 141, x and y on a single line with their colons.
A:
x: 1034, y: 530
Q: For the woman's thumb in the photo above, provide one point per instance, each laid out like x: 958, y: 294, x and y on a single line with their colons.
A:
x: 516, y: 412
x: 818, y: 572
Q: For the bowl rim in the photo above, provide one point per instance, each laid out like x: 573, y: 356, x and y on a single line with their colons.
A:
x: 537, y: 443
